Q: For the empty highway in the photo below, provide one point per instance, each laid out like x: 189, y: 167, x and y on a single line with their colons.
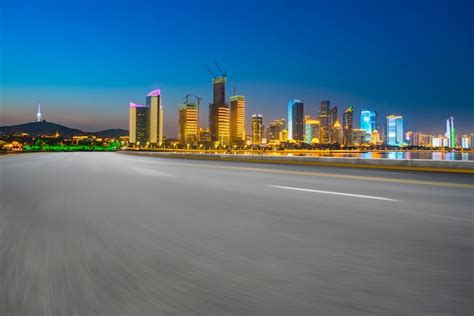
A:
x: 116, y: 234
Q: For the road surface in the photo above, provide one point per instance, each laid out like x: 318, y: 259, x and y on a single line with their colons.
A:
x: 116, y: 234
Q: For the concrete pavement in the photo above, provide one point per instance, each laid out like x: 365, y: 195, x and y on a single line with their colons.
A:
x: 108, y: 234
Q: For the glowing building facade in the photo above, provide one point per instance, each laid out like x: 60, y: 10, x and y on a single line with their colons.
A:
x: 153, y: 101
x: 368, y: 122
x: 237, y: 119
x: 217, y: 112
x: 274, y: 129
x: 295, y: 120
x: 325, y: 121
x: 450, y: 132
x: 222, y: 120
x: 395, y: 130
x: 311, y: 127
x: 138, y: 124
x: 347, y: 122
x: 188, y: 123
x: 257, y: 129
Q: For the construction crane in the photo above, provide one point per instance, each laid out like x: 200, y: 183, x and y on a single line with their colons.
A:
x: 186, y: 98
x: 210, y: 71
x: 224, y: 74
x: 198, y: 100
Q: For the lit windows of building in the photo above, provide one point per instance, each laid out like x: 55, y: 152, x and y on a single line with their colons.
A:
x: 395, y: 133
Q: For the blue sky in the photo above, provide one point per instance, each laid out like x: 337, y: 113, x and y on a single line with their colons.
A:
x: 85, y: 60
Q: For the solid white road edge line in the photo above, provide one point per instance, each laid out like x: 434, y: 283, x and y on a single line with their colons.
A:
x: 334, y: 193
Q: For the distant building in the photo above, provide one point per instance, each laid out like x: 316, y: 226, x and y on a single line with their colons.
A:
x: 347, y: 122
x: 222, y: 126
x: 153, y: 101
x: 188, y: 123
x: 375, y: 138
x: 337, y: 133
x: 295, y: 120
x: 450, y: 132
x: 359, y: 136
x: 471, y: 140
x: 283, y: 136
x: 324, y: 120
x: 465, y: 142
x: 332, y: 120
x: 237, y: 119
x: 368, y: 122
x: 217, y: 113
x: 311, y: 127
x: 274, y: 129
x: 257, y: 129
x: 409, y: 138
x: 138, y: 124
x: 204, y: 135
x: 395, y: 130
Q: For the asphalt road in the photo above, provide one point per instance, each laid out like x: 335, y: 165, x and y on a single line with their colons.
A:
x: 112, y: 234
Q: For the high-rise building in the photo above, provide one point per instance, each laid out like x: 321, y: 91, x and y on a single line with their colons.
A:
x: 295, y: 120
x: 222, y: 126
x: 450, y: 132
x: 368, y: 122
x: 409, y: 138
x: 465, y: 142
x: 395, y: 130
x: 324, y: 119
x: 237, y: 119
x: 347, y: 120
x: 188, y: 123
x: 375, y: 138
x: 257, y: 129
x: 39, y: 117
x: 216, y: 112
x: 337, y: 134
x: 359, y: 136
x: 332, y: 121
x: 311, y: 128
x: 274, y: 129
x: 153, y: 101
x: 138, y: 124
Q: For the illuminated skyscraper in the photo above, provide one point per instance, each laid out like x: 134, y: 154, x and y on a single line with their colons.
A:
x: 39, y: 117
x: 257, y: 129
x: 347, y: 119
x: 337, y: 135
x: 237, y: 119
x: 188, y: 123
x: 324, y: 119
x: 295, y: 119
x: 450, y: 132
x: 274, y: 129
x: 138, y: 124
x: 359, y: 136
x: 368, y: 122
x: 215, y: 109
x: 332, y: 121
x: 153, y: 101
x: 395, y: 130
x: 311, y: 128
x: 465, y: 142
x: 222, y: 126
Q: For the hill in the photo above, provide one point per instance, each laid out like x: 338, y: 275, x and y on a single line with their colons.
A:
x: 48, y: 128
x: 111, y: 133
x: 40, y: 128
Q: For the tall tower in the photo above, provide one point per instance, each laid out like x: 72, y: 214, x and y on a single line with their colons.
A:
x: 237, y: 119
x: 138, y: 124
x: 395, y: 130
x: 188, y: 123
x: 38, y: 114
x: 295, y: 119
x: 153, y: 101
x: 347, y: 119
x: 324, y: 119
x: 450, y: 132
x: 257, y: 129
x: 368, y: 122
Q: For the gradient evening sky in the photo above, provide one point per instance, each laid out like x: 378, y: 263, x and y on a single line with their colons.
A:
x: 86, y: 60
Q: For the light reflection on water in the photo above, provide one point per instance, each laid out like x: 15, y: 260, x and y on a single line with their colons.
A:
x: 434, y: 155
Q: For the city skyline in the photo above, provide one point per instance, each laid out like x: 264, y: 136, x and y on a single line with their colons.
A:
x: 88, y: 87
